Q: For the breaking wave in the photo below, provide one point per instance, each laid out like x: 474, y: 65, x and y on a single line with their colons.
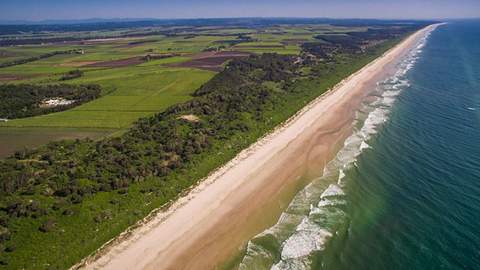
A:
x: 317, y: 212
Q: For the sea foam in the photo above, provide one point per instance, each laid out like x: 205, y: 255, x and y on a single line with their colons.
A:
x: 317, y: 211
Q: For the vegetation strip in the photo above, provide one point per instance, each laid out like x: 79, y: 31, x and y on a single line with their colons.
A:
x: 35, y: 58
x: 25, y: 100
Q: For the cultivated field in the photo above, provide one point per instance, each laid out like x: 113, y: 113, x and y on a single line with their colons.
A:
x: 133, y: 87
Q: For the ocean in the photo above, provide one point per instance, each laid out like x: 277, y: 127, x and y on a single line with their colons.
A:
x: 404, y: 191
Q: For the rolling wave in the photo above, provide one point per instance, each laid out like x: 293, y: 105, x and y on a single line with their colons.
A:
x: 318, y: 212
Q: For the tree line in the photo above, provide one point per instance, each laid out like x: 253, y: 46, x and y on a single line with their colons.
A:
x: 354, y: 42
x: 38, y: 57
x: 25, y: 100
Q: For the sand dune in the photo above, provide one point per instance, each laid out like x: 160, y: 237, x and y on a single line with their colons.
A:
x: 208, y: 225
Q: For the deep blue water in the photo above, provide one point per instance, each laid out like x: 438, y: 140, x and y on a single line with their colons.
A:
x: 404, y: 192
x: 414, y: 196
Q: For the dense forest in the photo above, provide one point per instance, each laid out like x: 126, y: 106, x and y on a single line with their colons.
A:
x: 48, y: 189
x: 25, y: 100
x: 153, y: 147
x: 352, y: 42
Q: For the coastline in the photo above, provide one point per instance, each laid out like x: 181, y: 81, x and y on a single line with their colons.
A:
x: 239, y: 191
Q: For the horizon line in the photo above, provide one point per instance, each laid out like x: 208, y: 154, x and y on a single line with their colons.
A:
x: 132, y: 19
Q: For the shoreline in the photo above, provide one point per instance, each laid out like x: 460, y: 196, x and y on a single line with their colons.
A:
x: 241, y: 189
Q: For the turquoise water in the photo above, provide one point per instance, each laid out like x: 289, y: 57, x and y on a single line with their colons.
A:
x: 415, y: 195
x: 404, y: 192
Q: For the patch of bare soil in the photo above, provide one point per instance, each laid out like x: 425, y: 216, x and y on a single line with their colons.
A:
x: 264, y: 46
x: 190, y: 118
x: 77, y: 63
x: 132, y: 61
x: 7, y: 54
x: 11, y: 77
x: 90, y: 41
x: 134, y: 44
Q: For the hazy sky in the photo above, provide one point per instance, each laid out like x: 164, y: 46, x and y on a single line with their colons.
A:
x: 81, y: 9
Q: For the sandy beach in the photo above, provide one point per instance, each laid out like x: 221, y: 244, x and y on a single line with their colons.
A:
x: 216, y: 218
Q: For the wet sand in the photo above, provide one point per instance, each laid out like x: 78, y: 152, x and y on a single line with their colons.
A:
x: 209, y: 225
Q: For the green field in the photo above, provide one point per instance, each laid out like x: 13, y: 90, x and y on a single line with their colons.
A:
x: 134, y: 92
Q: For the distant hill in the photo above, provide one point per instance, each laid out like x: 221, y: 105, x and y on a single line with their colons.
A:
x: 242, y: 20
x: 81, y: 21
x: 94, y: 24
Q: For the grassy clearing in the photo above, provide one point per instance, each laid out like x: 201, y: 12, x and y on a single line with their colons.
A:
x: 137, y: 92
x: 18, y: 138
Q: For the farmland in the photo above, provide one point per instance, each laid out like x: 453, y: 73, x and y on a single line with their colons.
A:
x: 132, y: 87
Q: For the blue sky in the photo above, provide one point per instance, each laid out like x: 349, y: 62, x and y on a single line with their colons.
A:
x: 82, y: 9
